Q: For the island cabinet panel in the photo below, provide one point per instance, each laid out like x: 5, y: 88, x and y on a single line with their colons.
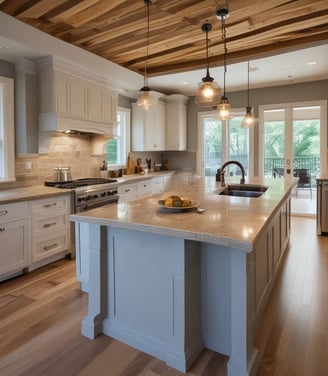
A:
x: 268, y: 253
x: 216, y: 293
x: 152, y: 282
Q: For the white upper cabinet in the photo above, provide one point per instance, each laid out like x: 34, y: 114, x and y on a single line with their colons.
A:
x: 148, y: 127
x: 74, y: 100
x: 176, y: 123
x: 162, y: 127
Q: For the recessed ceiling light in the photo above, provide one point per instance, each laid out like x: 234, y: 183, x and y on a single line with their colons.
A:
x: 286, y: 66
x: 311, y: 63
x: 185, y: 83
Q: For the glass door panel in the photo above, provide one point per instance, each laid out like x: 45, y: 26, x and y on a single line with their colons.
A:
x: 212, y: 148
x: 274, y: 143
x: 238, y: 145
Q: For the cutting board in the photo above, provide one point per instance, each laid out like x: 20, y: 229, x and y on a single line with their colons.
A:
x: 130, y: 165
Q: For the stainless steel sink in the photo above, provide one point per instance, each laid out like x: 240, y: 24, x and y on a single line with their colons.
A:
x: 244, y: 190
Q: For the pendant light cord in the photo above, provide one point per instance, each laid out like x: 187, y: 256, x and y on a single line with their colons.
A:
x: 224, y: 38
x: 207, y: 61
x: 248, y: 84
x: 147, y: 2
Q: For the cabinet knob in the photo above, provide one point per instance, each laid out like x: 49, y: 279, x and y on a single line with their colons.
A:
x: 2, y: 229
x: 3, y: 212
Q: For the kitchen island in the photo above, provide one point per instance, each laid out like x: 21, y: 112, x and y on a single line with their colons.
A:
x: 172, y: 282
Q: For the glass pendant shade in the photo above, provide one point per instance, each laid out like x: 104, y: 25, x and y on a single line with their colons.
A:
x: 145, y: 99
x: 208, y: 93
x: 224, y: 109
x: 249, y: 119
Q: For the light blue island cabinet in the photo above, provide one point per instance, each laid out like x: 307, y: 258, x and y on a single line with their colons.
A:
x: 171, y: 283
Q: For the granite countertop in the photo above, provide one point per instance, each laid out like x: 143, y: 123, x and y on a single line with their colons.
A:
x: 322, y: 176
x: 230, y: 221
x: 29, y: 193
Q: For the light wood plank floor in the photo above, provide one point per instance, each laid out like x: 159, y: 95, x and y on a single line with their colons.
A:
x: 41, y: 314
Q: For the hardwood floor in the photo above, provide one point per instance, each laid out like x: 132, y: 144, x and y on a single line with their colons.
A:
x: 41, y: 314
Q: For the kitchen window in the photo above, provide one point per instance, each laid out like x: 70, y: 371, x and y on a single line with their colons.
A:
x: 220, y: 141
x: 119, y: 147
x: 7, y: 140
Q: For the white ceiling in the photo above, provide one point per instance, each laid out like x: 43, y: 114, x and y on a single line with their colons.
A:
x: 304, y: 65
x: 308, y: 64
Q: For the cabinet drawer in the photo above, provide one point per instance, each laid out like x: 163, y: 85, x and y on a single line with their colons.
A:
x: 49, y: 206
x: 46, y: 246
x: 127, y: 192
x: 144, y: 188
x: 14, y: 211
x: 41, y: 225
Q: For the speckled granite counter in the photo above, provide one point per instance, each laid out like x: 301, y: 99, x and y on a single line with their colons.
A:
x: 41, y: 191
x: 233, y: 221
x: 8, y: 196
x: 322, y: 176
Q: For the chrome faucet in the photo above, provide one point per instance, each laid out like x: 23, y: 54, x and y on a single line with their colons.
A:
x: 220, y: 172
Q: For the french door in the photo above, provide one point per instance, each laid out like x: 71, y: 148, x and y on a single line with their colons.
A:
x: 292, y: 139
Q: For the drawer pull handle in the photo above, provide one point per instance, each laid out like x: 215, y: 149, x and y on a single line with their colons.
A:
x: 3, y: 212
x: 50, y: 205
x: 2, y: 229
x: 48, y: 247
x: 47, y: 225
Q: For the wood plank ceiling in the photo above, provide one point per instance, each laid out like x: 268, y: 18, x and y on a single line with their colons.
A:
x: 117, y: 29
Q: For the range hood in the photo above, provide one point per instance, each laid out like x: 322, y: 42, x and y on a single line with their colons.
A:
x: 50, y: 122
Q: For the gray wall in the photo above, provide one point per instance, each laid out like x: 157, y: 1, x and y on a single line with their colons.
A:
x: 7, y: 69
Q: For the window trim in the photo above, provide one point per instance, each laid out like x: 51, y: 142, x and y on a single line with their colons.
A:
x: 126, y: 137
x: 7, y: 130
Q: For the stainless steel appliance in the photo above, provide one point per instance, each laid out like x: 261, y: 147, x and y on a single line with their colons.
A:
x: 322, y: 207
x: 87, y: 194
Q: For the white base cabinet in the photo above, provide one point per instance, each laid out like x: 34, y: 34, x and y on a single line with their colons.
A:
x: 14, y: 244
x: 50, y: 228
x: 33, y: 233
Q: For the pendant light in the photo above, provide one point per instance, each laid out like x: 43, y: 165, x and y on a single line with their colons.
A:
x: 249, y: 119
x: 145, y: 99
x: 208, y: 92
x: 224, y: 107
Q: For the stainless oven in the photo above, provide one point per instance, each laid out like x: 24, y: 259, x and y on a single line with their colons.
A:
x: 88, y: 194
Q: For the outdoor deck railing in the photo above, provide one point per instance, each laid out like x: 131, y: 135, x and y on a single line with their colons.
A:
x: 213, y: 161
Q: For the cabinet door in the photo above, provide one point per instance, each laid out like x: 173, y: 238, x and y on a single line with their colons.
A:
x: 176, y: 126
x: 154, y: 133
x: 148, y: 128
x: 13, y: 252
